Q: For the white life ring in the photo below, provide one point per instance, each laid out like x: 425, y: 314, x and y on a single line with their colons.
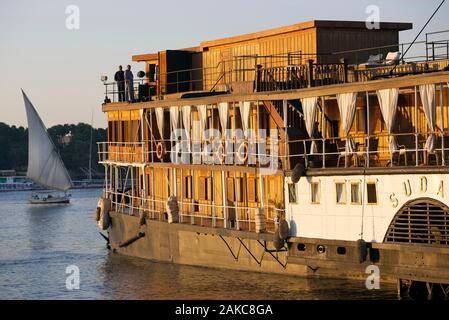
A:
x: 221, y: 153
x: 160, y: 150
x: 102, y: 213
x: 242, y: 153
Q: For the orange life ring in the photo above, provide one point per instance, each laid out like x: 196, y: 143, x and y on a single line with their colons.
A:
x: 221, y: 153
x: 160, y: 150
x: 242, y: 152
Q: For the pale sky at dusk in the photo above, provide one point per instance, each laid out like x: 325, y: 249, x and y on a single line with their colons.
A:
x: 60, y: 69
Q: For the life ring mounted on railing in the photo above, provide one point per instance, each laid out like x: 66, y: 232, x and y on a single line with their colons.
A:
x: 221, y: 153
x: 242, y: 153
x: 160, y: 150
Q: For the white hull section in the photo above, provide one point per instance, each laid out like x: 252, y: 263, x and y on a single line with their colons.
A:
x: 327, y: 219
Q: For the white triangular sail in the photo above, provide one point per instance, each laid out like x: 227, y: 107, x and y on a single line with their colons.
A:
x: 45, y: 166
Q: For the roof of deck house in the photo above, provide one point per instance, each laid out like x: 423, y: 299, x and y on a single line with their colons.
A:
x: 333, y: 24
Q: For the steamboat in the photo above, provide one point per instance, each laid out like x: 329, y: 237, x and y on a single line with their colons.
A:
x: 316, y: 149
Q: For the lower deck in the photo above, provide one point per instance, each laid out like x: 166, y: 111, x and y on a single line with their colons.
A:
x: 240, y: 250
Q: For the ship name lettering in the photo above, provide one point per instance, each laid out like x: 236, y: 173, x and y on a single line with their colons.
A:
x: 423, y: 189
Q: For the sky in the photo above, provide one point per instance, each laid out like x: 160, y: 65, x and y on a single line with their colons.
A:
x: 60, y: 69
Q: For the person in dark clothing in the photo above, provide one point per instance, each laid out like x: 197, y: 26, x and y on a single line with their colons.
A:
x: 120, y: 79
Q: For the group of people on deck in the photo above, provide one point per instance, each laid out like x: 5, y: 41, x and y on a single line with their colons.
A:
x: 125, y: 84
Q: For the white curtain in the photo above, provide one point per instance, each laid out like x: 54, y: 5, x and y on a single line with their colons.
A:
x: 174, y: 118
x: 244, y: 112
x: 223, y: 108
x: 427, y: 93
x: 187, y: 127
x: 186, y: 121
x: 202, y: 113
x: 388, y: 101
x: 309, y: 108
x: 160, y: 120
x: 196, y: 138
x: 347, y: 107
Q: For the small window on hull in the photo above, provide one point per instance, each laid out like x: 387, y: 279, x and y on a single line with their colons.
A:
x: 292, y: 193
x: 371, y: 192
x: 355, y: 193
x: 340, y: 190
x: 315, y: 192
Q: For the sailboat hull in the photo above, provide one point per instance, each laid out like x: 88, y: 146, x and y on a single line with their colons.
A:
x: 49, y: 199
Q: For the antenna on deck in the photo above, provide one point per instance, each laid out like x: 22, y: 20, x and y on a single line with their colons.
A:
x: 419, y: 33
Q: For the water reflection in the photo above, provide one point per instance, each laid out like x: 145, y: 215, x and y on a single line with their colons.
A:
x: 37, y: 243
x: 131, y: 278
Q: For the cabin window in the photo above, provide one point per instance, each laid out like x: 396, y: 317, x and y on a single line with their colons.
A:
x: 113, y: 131
x: 292, y: 193
x: 252, y: 190
x: 340, y: 190
x: 205, y: 188
x: 355, y: 193
x: 188, y: 187
x: 371, y: 192
x: 122, y: 131
x: 315, y: 192
x: 110, y: 124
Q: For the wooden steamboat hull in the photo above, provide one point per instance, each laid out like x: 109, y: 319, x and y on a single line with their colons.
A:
x: 240, y: 250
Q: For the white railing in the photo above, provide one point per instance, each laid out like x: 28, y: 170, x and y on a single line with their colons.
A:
x: 367, y: 151
x: 155, y: 209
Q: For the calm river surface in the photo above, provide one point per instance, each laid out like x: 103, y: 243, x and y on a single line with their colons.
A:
x: 37, y: 243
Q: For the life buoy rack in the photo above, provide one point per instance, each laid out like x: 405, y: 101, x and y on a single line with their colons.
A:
x: 102, y: 213
x: 160, y: 150
x: 221, y: 153
x: 242, y: 153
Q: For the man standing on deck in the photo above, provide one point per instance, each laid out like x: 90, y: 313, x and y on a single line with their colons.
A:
x: 129, y: 79
x: 120, y: 79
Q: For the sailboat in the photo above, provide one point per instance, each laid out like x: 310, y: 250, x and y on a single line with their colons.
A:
x: 45, y: 166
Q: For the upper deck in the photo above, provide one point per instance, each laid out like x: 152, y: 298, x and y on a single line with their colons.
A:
x: 297, y: 93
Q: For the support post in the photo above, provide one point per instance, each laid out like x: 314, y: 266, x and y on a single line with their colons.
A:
x: 368, y: 130
x: 310, y: 73
x: 443, y: 161
x: 416, y: 126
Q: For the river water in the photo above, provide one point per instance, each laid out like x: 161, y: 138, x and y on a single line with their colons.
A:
x: 38, y: 243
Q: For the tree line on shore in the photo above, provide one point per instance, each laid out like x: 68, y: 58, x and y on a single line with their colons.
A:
x: 74, y: 150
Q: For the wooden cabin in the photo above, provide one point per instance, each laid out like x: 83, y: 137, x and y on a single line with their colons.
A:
x: 231, y: 63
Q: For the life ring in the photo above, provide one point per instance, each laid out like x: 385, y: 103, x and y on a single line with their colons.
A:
x: 221, y: 153
x: 160, y: 150
x: 102, y: 213
x: 242, y: 152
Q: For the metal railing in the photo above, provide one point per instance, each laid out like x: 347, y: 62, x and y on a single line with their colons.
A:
x: 296, y: 70
x: 236, y: 216
x: 368, y: 151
